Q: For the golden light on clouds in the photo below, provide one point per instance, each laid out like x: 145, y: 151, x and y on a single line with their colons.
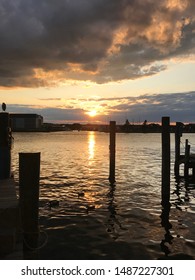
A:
x: 105, y: 44
x: 177, y: 4
x: 92, y: 107
x: 119, y: 38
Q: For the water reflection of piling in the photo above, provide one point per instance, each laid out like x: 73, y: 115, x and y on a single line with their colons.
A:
x: 29, y: 172
x: 166, y: 208
x: 112, y: 220
x: 112, y: 151
x: 111, y: 208
x: 167, y: 226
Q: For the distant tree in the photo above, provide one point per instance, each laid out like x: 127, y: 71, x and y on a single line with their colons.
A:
x: 145, y: 122
x: 76, y: 126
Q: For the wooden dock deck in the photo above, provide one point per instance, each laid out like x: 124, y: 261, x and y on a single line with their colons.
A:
x: 10, y: 222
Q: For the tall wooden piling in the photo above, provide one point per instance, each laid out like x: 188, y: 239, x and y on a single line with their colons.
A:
x: 29, y: 173
x: 166, y: 160
x: 112, y: 149
x: 5, y: 146
x: 187, y: 158
x: 178, y: 135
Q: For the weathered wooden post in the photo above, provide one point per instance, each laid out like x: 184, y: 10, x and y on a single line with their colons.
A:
x: 5, y: 146
x: 112, y: 151
x: 187, y: 158
x: 166, y: 160
x: 178, y: 135
x: 29, y: 173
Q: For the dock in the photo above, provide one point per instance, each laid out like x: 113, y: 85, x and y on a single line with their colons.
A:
x: 187, y: 159
x: 11, y: 244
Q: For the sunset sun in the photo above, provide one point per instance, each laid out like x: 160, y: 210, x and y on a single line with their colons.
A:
x: 92, y: 113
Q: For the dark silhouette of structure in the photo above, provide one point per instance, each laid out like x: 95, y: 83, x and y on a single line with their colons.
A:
x: 3, y: 106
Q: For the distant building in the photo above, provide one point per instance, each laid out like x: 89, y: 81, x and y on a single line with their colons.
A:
x: 25, y: 122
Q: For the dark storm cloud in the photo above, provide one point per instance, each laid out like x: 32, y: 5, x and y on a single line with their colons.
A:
x: 45, y: 42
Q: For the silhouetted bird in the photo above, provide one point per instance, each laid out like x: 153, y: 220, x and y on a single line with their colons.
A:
x: 3, y: 106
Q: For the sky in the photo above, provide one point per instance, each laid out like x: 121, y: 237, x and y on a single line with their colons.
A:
x: 98, y: 60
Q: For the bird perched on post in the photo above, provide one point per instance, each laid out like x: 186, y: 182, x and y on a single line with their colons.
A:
x: 3, y: 106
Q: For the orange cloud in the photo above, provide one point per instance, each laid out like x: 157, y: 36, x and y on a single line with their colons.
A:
x: 49, y: 43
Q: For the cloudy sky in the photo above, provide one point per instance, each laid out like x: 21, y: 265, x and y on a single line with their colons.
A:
x: 97, y: 60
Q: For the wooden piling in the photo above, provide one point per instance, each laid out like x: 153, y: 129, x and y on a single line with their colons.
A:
x: 5, y: 146
x: 112, y: 150
x: 10, y: 221
x: 29, y: 173
x: 187, y: 158
x: 165, y: 159
x: 178, y: 135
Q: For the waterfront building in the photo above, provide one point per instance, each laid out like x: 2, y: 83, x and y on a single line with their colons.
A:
x: 26, y: 122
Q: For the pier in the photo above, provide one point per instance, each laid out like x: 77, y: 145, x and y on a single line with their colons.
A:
x: 10, y: 223
x: 19, y: 228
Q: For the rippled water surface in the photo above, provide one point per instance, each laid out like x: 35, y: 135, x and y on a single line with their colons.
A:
x: 97, y: 221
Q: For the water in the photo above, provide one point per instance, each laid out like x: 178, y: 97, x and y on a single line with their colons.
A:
x: 95, y: 220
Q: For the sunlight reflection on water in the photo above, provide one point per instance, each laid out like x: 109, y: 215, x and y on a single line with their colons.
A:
x: 91, y: 147
x: 74, y: 171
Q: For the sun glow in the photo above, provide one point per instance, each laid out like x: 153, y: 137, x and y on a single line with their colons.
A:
x: 92, y: 113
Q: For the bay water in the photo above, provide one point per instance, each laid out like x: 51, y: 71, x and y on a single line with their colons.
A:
x: 81, y: 216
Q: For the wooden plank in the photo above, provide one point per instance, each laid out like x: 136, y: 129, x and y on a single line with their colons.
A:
x: 10, y: 221
x: 8, y: 197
